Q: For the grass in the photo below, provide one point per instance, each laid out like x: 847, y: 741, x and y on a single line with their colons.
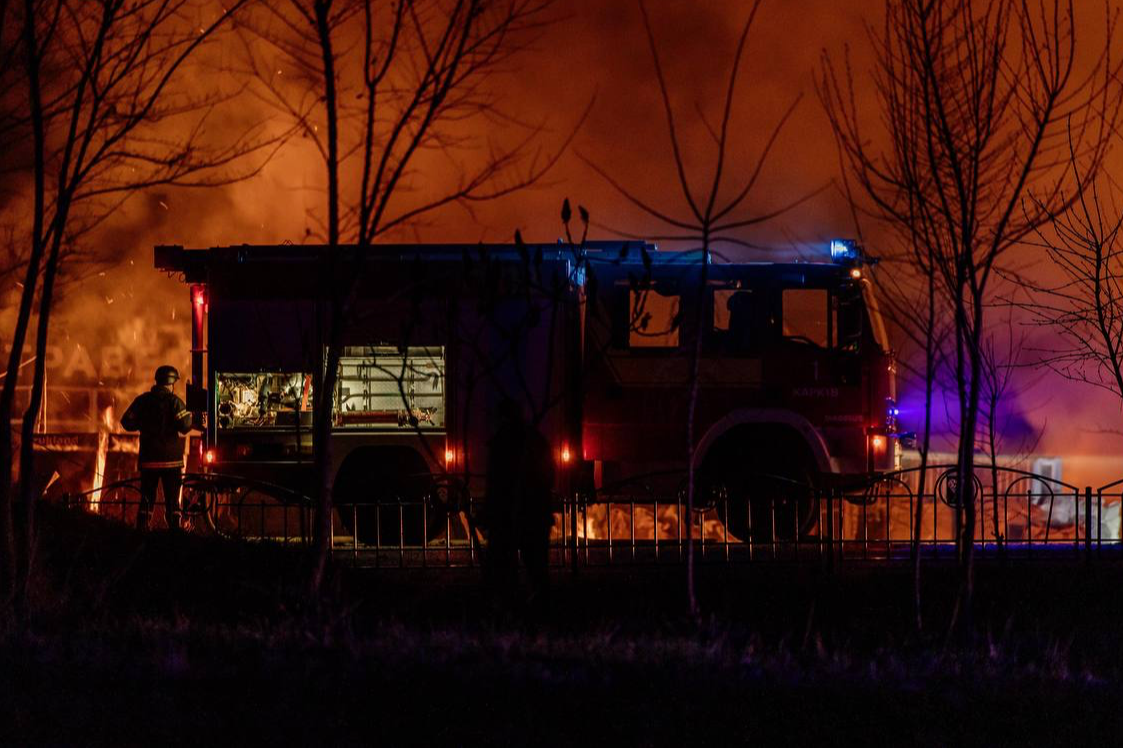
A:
x: 157, y: 640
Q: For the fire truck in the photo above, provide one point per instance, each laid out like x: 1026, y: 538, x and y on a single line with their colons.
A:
x: 599, y: 344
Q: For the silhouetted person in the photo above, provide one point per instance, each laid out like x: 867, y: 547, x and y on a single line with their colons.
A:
x: 518, y: 514
x: 160, y: 417
x: 740, y: 306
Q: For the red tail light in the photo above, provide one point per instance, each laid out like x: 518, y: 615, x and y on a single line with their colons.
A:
x: 209, y: 456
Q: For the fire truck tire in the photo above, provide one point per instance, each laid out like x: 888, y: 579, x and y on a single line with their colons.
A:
x: 765, y: 494
x: 776, y: 502
x: 383, y: 495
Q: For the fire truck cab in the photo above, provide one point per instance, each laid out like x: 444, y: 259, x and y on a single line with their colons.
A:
x: 597, y: 343
x: 795, y: 381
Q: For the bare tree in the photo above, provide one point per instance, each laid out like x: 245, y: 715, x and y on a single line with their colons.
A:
x: 903, y: 277
x: 975, y: 96
x: 14, y: 117
x: 1080, y: 299
x: 383, y: 89
x: 714, y: 215
x: 1003, y: 350
x: 101, y: 100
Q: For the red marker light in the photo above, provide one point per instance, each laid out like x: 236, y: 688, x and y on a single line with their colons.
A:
x: 565, y: 454
x: 878, y: 442
x: 209, y: 456
x: 450, y: 457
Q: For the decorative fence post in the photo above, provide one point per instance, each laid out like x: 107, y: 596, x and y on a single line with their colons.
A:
x: 1088, y: 523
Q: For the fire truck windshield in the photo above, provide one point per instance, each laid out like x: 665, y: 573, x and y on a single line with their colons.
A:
x: 806, y: 315
x: 748, y: 319
x: 654, y: 319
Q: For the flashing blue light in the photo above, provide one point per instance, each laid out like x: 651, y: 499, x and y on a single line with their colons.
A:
x: 844, y: 249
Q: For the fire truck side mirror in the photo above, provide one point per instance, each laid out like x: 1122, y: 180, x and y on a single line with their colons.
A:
x: 196, y: 398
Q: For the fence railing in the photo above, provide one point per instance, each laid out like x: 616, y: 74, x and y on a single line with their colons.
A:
x: 767, y: 519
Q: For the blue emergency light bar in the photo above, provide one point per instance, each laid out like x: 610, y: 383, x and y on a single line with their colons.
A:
x: 843, y: 250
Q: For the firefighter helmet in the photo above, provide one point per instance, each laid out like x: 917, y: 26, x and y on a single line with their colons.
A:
x: 167, y: 375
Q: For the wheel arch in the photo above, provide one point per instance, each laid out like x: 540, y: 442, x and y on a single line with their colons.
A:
x: 790, y: 421
x: 386, y: 461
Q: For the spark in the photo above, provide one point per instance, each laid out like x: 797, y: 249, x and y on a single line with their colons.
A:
x: 163, y: 205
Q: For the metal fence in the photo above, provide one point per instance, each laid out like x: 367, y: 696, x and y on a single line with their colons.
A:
x: 1018, y: 514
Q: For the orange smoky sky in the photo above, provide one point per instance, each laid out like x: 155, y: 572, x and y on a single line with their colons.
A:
x: 595, y: 51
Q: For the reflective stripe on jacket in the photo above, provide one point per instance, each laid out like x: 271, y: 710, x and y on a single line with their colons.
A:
x: 160, y: 417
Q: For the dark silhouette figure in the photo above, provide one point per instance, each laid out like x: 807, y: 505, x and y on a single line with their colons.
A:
x: 160, y: 417
x: 740, y: 335
x: 518, y: 514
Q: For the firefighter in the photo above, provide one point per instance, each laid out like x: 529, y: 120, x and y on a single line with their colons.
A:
x: 160, y: 417
x: 518, y: 513
x: 740, y: 306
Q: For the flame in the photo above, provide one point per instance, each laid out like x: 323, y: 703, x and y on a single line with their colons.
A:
x: 104, y: 427
x: 593, y: 523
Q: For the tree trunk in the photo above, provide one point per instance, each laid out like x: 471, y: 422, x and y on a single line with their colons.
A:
x: 692, y: 403
x: 322, y: 427
x: 25, y: 528
x: 8, y: 547
x: 926, y: 443
x: 963, y: 614
x: 992, y: 442
x: 322, y: 460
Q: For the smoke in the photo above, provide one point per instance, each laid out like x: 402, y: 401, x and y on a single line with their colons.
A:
x: 596, y: 51
x: 602, y: 51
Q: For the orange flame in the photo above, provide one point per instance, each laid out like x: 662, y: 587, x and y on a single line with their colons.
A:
x: 104, y: 427
x: 593, y: 523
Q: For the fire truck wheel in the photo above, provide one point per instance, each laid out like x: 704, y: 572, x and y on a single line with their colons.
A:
x: 772, y: 503
x: 382, y: 496
x: 763, y: 496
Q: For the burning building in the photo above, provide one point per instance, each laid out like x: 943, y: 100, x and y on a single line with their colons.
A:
x: 102, y: 353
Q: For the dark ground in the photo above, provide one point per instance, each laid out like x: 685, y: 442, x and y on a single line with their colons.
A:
x: 155, y: 640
